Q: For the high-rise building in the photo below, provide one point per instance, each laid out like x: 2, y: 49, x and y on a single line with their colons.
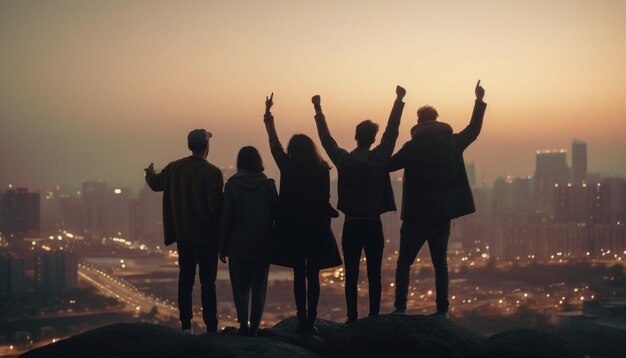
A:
x: 470, y: 169
x: 55, y: 270
x: 579, y: 161
x: 12, y: 275
x: 21, y: 213
x: 551, y: 168
x: 119, y: 212
x: 95, y: 220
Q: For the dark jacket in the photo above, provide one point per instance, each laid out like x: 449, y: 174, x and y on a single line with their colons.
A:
x: 364, y: 186
x: 303, y: 225
x: 192, y: 200
x: 435, y: 185
x: 250, y: 202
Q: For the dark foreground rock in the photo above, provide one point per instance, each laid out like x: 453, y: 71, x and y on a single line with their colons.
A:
x: 523, y: 343
x: 380, y: 336
x: 401, y: 336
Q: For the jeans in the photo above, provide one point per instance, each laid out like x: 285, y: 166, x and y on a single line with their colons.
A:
x: 362, y: 235
x: 249, y: 282
x: 412, y: 236
x: 189, y: 256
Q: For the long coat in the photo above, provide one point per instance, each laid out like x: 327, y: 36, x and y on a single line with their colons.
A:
x: 302, y: 229
x: 435, y: 184
x: 250, y: 203
x: 192, y: 200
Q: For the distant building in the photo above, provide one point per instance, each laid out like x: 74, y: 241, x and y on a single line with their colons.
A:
x: 579, y: 161
x: 21, y: 211
x: 550, y: 168
x: 12, y: 275
x: 55, y: 270
x: 119, y: 212
x: 470, y: 169
x: 146, y: 217
x: 95, y: 220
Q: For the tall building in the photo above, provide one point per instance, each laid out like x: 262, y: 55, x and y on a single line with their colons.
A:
x: 550, y: 168
x: 55, y: 270
x: 470, y: 169
x: 95, y: 220
x: 579, y: 161
x: 12, y: 275
x: 146, y: 218
x: 119, y: 212
x: 21, y: 211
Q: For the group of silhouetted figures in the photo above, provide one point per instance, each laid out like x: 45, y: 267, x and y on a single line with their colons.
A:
x: 248, y: 222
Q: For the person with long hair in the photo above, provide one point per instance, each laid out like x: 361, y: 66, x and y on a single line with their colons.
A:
x: 250, y: 201
x: 303, y: 237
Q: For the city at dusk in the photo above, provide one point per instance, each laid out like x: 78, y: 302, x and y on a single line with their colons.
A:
x: 95, y: 226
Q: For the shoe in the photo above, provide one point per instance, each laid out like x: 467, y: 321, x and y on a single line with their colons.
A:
x: 253, y: 332
x: 244, y: 331
x: 445, y: 315
x: 349, y: 321
x: 188, y: 331
x: 399, y: 311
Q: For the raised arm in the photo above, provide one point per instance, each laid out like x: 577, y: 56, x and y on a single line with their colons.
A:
x: 470, y: 133
x: 400, y: 159
x: 154, y: 180
x: 388, y: 140
x: 279, y: 154
x: 337, y: 155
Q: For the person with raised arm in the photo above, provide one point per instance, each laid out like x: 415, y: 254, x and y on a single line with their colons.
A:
x: 192, y: 206
x: 365, y: 193
x: 303, y: 237
x: 435, y: 190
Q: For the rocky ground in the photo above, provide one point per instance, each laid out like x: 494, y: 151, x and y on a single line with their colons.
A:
x: 379, y: 336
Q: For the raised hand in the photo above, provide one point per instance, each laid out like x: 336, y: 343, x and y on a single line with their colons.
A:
x: 150, y: 168
x: 269, y: 103
x: 400, y: 92
x: 480, y: 91
x: 317, y: 100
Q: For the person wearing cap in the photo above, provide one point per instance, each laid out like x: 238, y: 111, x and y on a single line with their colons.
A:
x: 435, y: 190
x: 192, y: 205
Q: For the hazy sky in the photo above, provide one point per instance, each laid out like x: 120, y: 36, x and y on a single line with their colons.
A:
x: 99, y: 89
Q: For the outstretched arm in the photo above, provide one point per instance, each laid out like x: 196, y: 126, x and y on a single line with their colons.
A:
x: 471, y: 132
x: 336, y: 154
x: 388, y: 140
x: 154, y: 180
x: 279, y: 154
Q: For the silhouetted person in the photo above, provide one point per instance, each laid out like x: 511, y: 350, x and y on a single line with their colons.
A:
x: 304, y: 240
x: 192, y: 205
x: 364, y: 194
x: 250, y: 203
x: 435, y: 190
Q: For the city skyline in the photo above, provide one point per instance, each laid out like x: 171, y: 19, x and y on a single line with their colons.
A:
x: 93, y: 91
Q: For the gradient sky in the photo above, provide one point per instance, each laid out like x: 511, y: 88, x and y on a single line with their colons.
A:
x: 97, y: 90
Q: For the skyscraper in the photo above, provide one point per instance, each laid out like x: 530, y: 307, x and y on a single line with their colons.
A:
x: 95, y: 220
x: 21, y: 210
x: 579, y: 161
x: 551, y: 168
x: 55, y: 270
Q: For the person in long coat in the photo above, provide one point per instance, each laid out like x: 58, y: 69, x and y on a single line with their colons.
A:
x: 304, y: 240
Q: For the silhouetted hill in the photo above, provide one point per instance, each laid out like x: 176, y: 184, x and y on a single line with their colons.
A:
x: 380, y: 336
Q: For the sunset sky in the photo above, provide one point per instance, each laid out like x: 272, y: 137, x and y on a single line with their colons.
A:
x: 98, y: 90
